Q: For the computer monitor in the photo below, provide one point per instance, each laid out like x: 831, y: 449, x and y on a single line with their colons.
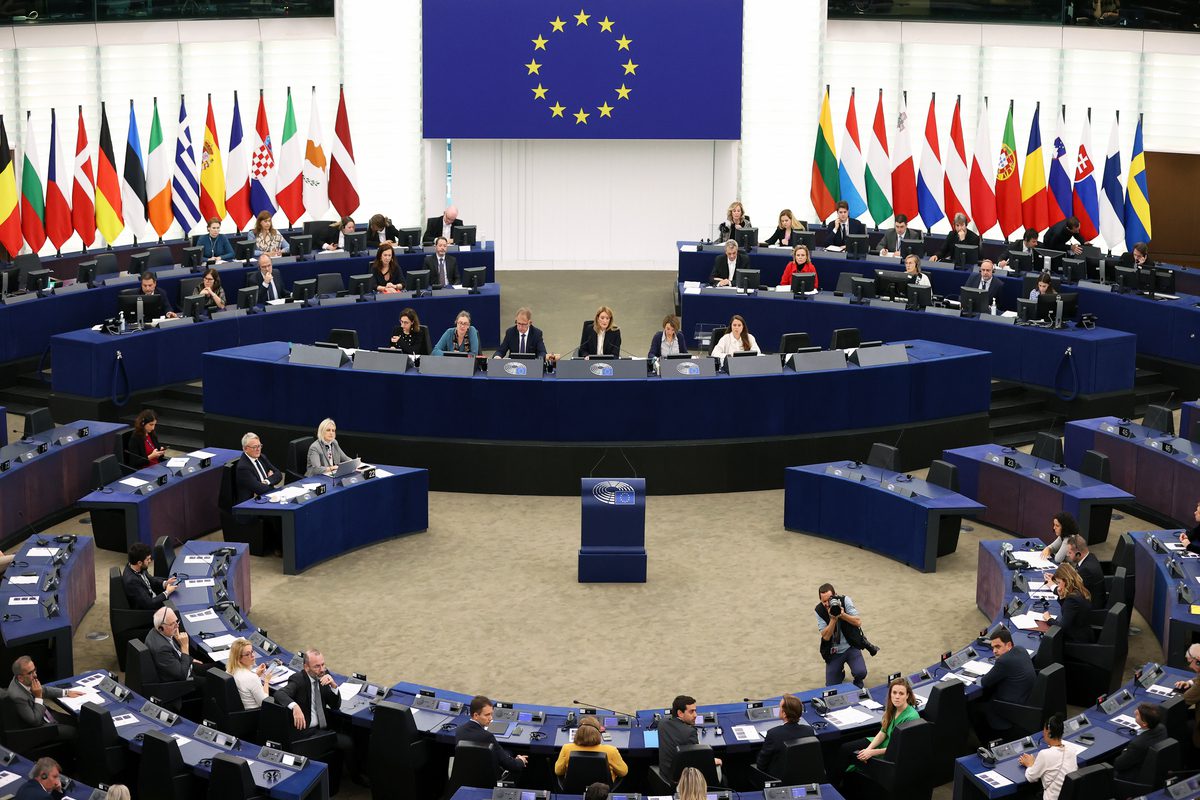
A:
x: 139, y: 263
x: 746, y: 278
x: 808, y: 238
x: 803, y: 283
x: 301, y: 245
x: 10, y: 280
x: 464, y: 235
x: 1020, y: 261
x: 474, y: 278
x: 37, y: 280
x: 1075, y: 269
x: 746, y: 238
x: 417, y: 280
x: 1047, y: 305
x: 87, y: 272
x: 304, y: 289
x: 1027, y: 310
x: 243, y: 249
x: 408, y: 237
x: 966, y: 255
x: 919, y: 296
x: 191, y: 257
x: 910, y: 247
x: 973, y: 300
x: 1164, y: 281
x: 355, y: 242
x: 1127, y: 278
x: 861, y: 288
x: 360, y: 285
x: 247, y: 297
x: 192, y: 306
x: 857, y: 245
x: 1048, y: 260
x: 152, y: 306
x: 891, y: 283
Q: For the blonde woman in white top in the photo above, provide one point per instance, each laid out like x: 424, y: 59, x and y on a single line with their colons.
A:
x: 1054, y: 763
x: 253, y: 682
x: 737, y: 340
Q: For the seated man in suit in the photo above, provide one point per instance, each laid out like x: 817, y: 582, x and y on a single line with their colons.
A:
x: 1010, y: 680
x: 770, y: 757
x: 268, y: 287
x: 1191, y: 691
x: 1028, y: 242
x: 44, y: 781
x: 675, y: 731
x: 443, y: 269
x: 310, y: 694
x: 890, y: 246
x: 150, y: 286
x: 840, y: 225
x: 522, y: 337
x: 1089, y: 569
x: 475, y: 730
x: 725, y: 265
x: 143, y: 590
x: 169, y: 646
x: 1064, y: 235
x: 255, y: 474
x: 960, y: 235
x: 442, y: 226
x: 28, y: 697
x: 986, y: 279
x: 1149, y: 717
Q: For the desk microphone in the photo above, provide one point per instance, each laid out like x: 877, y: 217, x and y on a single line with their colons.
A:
x: 582, y: 704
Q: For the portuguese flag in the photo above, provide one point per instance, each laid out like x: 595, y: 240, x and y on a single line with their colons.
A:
x: 1008, y: 181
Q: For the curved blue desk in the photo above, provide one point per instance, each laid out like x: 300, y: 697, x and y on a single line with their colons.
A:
x: 1163, y: 566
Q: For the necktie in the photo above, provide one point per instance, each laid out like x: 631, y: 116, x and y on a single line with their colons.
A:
x: 270, y: 294
x: 46, y: 715
x: 262, y: 474
x: 522, y: 350
x: 984, y: 285
x: 318, y: 708
x: 442, y: 271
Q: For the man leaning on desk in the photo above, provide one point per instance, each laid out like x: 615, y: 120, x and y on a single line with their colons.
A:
x: 475, y: 730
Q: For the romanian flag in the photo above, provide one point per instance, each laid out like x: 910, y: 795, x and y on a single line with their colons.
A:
x: 1137, y: 195
x: 10, y: 216
x: 826, y: 189
x: 1008, y: 181
x: 1033, y: 186
x: 212, y: 174
x: 109, y: 219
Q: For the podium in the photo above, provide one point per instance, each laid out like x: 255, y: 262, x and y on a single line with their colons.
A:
x: 612, y: 545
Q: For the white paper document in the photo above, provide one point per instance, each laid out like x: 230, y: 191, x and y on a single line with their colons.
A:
x: 220, y: 656
x: 993, y: 779
x: 42, y: 552
x: 978, y: 667
x: 1033, y: 558
x: 7, y: 777
x: 198, y: 583
x: 200, y: 616
x: 220, y: 642
x: 746, y: 733
x: 177, y: 463
x: 23, y: 579
x: 846, y: 717
x: 382, y: 473
x: 90, y: 680
x: 348, y: 690
x: 688, y: 248
x: 1027, y: 622
x: 202, y: 454
x: 871, y: 704
x: 134, y: 482
x: 124, y: 719
x: 1126, y: 721
x: 76, y: 703
x: 1161, y: 691
x: 286, y: 493
x: 181, y: 739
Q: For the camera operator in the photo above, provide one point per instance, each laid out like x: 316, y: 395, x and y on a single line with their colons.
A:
x: 842, y: 638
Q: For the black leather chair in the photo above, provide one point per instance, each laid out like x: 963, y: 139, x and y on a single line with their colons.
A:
x: 38, y: 420
x: 1048, y: 447
x: 231, y: 779
x: 344, y: 337
x: 1096, y: 465
x: 1118, y: 588
x: 234, y: 529
x: 397, y: 755
x: 162, y: 773
x: 1176, y: 716
x: 583, y: 769
x: 25, y: 264
x: 329, y: 283
x: 799, y: 762
x: 1123, y: 556
x: 699, y: 756
x: 902, y: 771
x: 164, y: 556
x: 33, y: 743
x: 1193, y: 435
x: 223, y: 705
x: 1159, y: 418
x: 474, y: 765
x: 275, y: 723
x: 884, y: 456
x: 105, y: 758
x: 1162, y: 758
x: 297, y: 457
x: 1097, y: 668
x: 791, y: 342
x: 717, y: 333
x: 843, y: 338
x: 1089, y: 783
x: 947, y: 712
x: 1049, y: 696
x: 845, y: 284
x: 105, y: 470
x: 944, y: 474
x: 1050, y: 648
x: 160, y: 257
x: 141, y: 675
x: 127, y: 623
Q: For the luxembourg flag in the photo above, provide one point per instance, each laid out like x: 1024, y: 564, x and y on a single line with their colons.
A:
x: 929, y: 179
x: 1112, y: 202
x: 956, y: 185
x: 1084, y: 203
x: 1059, y: 207
x: 854, y: 190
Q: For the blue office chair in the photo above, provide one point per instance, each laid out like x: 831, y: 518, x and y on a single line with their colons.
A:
x: 162, y: 772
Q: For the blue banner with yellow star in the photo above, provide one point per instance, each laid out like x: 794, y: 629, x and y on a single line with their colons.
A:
x: 610, y: 69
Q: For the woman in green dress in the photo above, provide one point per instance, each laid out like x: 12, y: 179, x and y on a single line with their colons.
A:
x: 901, y: 708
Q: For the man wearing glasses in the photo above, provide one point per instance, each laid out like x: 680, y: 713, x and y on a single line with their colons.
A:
x: 255, y: 473
x: 28, y: 696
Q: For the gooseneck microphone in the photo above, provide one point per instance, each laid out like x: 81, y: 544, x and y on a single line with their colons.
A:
x: 636, y: 721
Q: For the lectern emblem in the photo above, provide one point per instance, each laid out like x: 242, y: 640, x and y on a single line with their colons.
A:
x: 687, y: 368
x: 614, y: 493
x: 601, y: 369
x: 515, y: 368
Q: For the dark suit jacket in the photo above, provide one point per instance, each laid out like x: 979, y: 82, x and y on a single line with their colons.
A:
x: 952, y: 239
x: 672, y: 734
x: 1057, y: 236
x: 172, y: 665
x: 263, y: 295
x: 472, y: 731
x: 770, y: 755
x: 298, y: 690
x: 30, y: 712
x: 327, y: 236
x: 720, y: 270
x: 777, y: 238
x: 167, y: 307
x: 138, y: 595
x: 1073, y: 619
x: 612, y: 343
x: 838, y: 238
x: 1129, y: 762
x: 1010, y: 680
x: 451, y: 270
x: 32, y: 790
x: 248, y: 483
x: 390, y: 234
x: 891, y: 242
x: 656, y: 343
x: 512, y: 341
x: 135, y: 456
x: 1093, y: 579
x: 995, y: 291
x: 433, y: 229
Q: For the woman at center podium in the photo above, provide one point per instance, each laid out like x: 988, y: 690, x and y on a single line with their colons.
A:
x: 462, y: 338
x: 602, y: 337
x: 325, y: 453
x: 668, y: 342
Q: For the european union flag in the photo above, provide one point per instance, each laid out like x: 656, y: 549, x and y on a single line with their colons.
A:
x: 609, y: 69
x: 624, y: 497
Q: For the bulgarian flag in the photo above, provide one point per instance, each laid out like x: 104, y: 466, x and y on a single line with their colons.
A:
x: 33, y: 198
x: 826, y: 190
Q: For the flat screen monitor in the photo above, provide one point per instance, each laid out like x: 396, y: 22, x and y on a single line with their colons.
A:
x: 361, y: 284
x: 919, y: 296
x: 408, y: 237
x: 1047, y: 260
x: 1020, y: 261
x: 38, y: 279
x: 746, y: 238
x: 139, y: 263
x: 804, y: 237
x: 1027, y: 309
x: 1164, y: 281
x: 1127, y: 278
x: 974, y: 300
x: 862, y: 288
x: 192, y: 306
x: 10, y: 279
x: 746, y: 278
x: 191, y: 257
x: 301, y: 245
x: 86, y: 273
x: 1048, y: 303
x: 910, y: 247
x: 355, y: 242
x: 417, y: 280
x: 247, y: 297
x: 304, y: 289
x: 474, y: 278
x: 891, y: 283
x: 857, y: 245
x: 243, y: 249
x: 1075, y: 269
x: 464, y: 235
x: 966, y: 255
x: 152, y: 306
x: 803, y: 282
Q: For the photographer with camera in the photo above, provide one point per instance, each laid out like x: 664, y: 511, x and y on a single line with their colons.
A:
x: 842, y: 638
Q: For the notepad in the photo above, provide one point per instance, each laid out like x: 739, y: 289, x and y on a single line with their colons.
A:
x: 133, y: 482
x: 871, y: 704
x: 220, y: 642
x: 42, y: 552
x: 76, y: 703
x: 177, y: 463
x: 200, y: 616
x: 976, y: 667
x: 202, y: 454
x: 847, y: 717
x: 746, y: 733
x: 348, y: 690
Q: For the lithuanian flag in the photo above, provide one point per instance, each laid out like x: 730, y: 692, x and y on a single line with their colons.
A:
x: 826, y: 185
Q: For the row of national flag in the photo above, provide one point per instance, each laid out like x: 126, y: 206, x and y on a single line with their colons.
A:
x: 157, y: 189
x: 991, y: 190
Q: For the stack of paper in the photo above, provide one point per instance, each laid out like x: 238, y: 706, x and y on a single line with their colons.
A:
x: 993, y: 779
x: 1028, y: 622
x: 1033, y: 558
x: 88, y: 696
x: 976, y: 667
x: 746, y: 733
x: 847, y: 717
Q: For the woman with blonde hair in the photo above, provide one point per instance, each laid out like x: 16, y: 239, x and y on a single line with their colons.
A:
x: 1074, y: 603
x: 785, y: 234
x: 588, y: 738
x: 325, y: 454
x: 692, y: 785
x: 252, y: 681
x: 603, y: 337
x: 266, y: 239
x: 736, y: 218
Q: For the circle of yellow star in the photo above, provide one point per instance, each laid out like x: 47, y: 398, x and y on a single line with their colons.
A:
x: 606, y: 25
x: 540, y: 92
x: 533, y: 67
x: 630, y: 67
x: 623, y: 43
x: 557, y: 109
x: 623, y: 92
x: 605, y: 110
x: 582, y: 18
x: 539, y: 43
x: 557, y: 24
x: 581, y: 117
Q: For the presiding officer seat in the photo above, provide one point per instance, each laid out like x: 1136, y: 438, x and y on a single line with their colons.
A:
x: 699, y: 756
x: 1049, y: 696
x: 902, y: 771
x: 127, y: 623
x: 583, y: 769
x: 232, y: 528
x: 475, y: 765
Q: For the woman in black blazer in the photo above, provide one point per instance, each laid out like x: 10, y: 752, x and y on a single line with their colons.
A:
x: 1074, y: 603
x: 602, y: 327
x: 785, y: 234
x: 143, y: 449
x: 669, y: 333
x: 409, y: 337
x: 381, y: 231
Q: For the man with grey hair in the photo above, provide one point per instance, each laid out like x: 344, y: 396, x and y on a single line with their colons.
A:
x: 522, y: 337
x: 45, y: 781
x: 311, y: 694
x: 1191, y: 690
x: 960, y: 235
x: 170, y: 648
x: 255, y: 474
x: 28, y: 697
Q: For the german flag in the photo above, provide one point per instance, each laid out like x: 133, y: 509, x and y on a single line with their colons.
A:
x: 10, y: 216
x: 108, y: 186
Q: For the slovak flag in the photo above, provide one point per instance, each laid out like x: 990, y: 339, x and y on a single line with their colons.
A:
x: 1084, y: 203
x: 262, y: 165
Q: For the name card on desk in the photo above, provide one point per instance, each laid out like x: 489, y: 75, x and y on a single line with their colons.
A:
x: 899, y: 488
x: 844, y: 471
x: 1052, y: 478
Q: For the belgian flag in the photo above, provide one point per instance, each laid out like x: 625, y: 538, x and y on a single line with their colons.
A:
x: 10, y: 216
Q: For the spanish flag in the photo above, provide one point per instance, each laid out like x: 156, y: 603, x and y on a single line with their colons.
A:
x: 109, y: 219
x: 212, y: 174
x: 10, y: 217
